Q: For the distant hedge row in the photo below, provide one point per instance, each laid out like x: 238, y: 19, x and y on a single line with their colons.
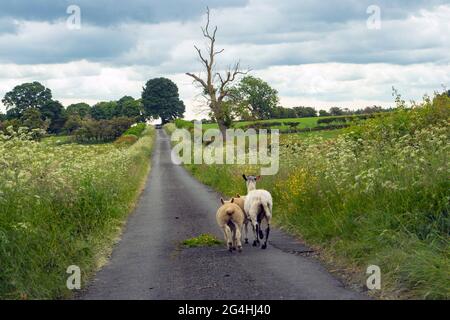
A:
x: 344, y: 119
x: 318, y: 128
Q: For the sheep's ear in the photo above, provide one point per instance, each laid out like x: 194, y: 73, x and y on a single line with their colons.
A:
x: 258, y: 178
x: 245, y: 178
x: 221, y: 200
x: 232, y: 200
x: 237, y: 195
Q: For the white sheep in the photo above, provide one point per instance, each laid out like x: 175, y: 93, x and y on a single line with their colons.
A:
x: 258, y: 206
x: 230, y: 218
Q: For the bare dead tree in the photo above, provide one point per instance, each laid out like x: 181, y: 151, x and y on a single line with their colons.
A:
x: 215, y: 85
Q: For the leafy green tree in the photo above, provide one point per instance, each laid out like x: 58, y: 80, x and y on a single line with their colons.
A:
x: 73, y: 122
x: 336, y: 111
x: 32, y: 118
x: 55, y: 113
x: 283, y: 113
x: 129, y: 107
x: 104, y: 110
x: 25, y: 96
x: 81, y: 109
x: 255, y: 95
x: 160, y: 99
x: 324, y: 113
x: 305, y: 112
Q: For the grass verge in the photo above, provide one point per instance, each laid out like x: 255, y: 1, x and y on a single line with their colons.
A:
x: 63, y: 205
x: 377, y: 195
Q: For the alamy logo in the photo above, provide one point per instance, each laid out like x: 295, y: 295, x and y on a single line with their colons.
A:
x: 374, y: 280
x: 374, y: 20
x: 74, y: 280
x: 262, y: 149
x: 73, y: 22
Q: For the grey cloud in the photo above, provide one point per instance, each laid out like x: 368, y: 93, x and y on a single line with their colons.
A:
x: 261, y: 34
x: 108, y: 12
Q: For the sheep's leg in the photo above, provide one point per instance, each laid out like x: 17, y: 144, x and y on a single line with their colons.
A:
x: 260, y: 232
x: 268, y: 218
x: 264, y: 246
x: 255, y: 233
x: 238, y: 236
x: 232, y: 226
x: 253, y: 213
x: 228, y: 237
x: 246, y: 232
x: 234, y: 232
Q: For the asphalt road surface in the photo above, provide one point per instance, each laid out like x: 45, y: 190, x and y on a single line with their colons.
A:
x: 150, y: 263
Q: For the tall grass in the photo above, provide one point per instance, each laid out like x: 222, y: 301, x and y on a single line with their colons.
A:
x: 62, y: 205
x: 378, y: 194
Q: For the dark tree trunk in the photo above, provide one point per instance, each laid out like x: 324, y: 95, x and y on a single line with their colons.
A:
x: 223, y: 128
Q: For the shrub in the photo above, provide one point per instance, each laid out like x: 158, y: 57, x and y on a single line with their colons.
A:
x: 183, y: 124
x: 136, y: 130
x: 97, y: 131
x: 126, y: 140
x: 73, y: 123
x: 345, y: 119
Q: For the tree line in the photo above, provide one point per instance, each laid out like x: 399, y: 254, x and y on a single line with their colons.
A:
x: 32, y: 105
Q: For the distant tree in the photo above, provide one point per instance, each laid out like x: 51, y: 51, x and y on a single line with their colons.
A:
x: 73, y: 122
x: 2, y: 117
x: 283, y: 113
x: 25, y: 96
x: 32, y: 118
x: 13, y: 114
x: 54, y: 112
x: 323, y: 113
x: 305, y: 112
x: 122, y: 101
x: 160, y: 99
x: 336, y: 111
x: 81, y: 109
x: 129, y: 107
x: 256, y: 95
x: 373, y: 109
x: 104, y: 110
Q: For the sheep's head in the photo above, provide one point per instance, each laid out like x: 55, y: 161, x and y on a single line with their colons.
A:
x: 250, y: 181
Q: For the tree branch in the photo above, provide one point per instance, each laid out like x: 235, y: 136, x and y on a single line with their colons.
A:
x: 198, y: 79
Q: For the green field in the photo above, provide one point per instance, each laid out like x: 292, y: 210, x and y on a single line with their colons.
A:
x: 303, y: 123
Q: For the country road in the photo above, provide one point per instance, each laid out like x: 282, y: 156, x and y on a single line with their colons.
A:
x: 149, y: 263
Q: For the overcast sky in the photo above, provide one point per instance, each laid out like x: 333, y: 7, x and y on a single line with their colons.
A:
x: 315, y: 53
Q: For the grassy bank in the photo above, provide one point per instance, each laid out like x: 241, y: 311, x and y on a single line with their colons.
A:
x: 62, y: 205
x: 376, y: 195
